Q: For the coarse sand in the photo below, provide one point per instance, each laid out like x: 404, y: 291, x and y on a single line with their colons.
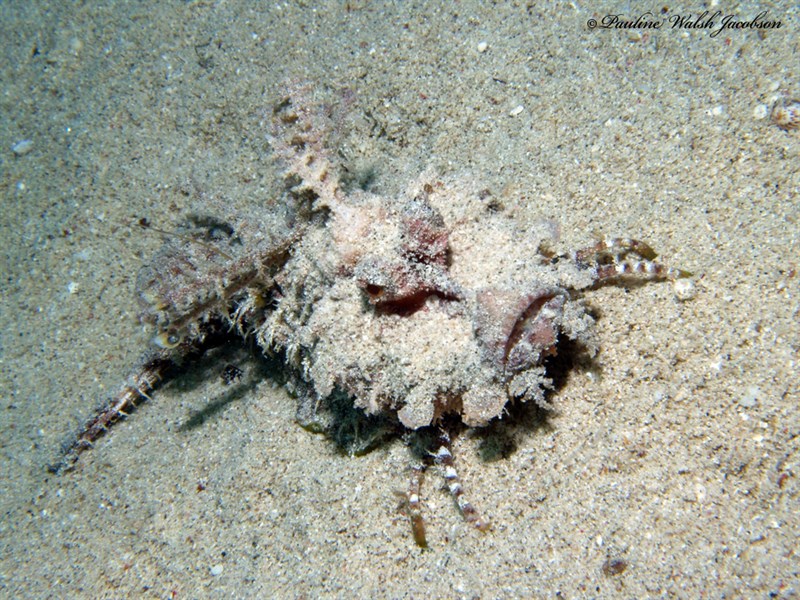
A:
x: 669, y: 468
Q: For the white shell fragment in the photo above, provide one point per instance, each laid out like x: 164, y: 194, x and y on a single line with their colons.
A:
x: 22, y: 147
x: 685, y: 289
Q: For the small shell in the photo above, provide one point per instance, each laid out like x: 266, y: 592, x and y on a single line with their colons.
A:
x: 786, y: 114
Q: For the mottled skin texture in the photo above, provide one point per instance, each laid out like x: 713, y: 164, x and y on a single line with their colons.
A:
x: 410, y: 308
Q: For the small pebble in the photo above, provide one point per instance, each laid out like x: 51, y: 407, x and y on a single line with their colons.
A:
x: 518, y: 110
x: 75, y: 45
x: 217, y: 570
x: 22, y: 147
x: 760, y: 111
x: 482, y: 47
x: 685, y: 289
x: 750, y: 397
x: 614, y: 566
x: 700, y: 492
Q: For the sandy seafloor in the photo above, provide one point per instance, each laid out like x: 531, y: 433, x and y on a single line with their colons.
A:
x: 677, y: 455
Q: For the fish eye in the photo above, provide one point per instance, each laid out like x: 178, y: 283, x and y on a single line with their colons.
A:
x: 167, y: 339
